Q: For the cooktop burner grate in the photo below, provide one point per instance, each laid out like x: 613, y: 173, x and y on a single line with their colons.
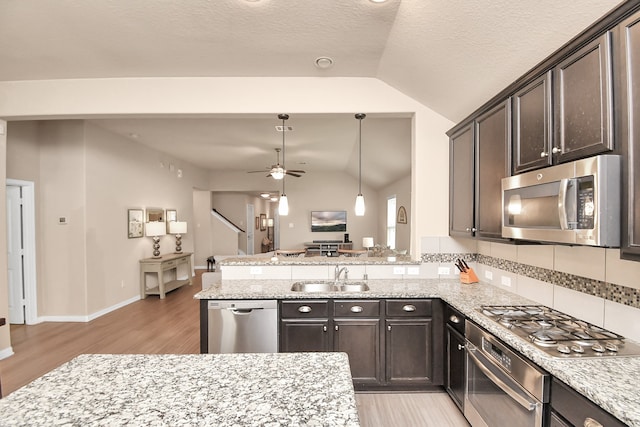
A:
x: 558, y: 333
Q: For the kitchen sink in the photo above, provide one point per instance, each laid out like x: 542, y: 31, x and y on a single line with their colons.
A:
x: 329, y: 287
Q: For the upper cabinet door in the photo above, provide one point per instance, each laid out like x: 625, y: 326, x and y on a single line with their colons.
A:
x: 532, y: 125
x: 461, y: 190
x: 583, y: 102
x: 493, y: 141
x: 628, y: 99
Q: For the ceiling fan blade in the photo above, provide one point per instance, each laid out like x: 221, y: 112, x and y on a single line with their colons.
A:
x: 262, y: 171
x: 295, y: 171
x: 293, y: 174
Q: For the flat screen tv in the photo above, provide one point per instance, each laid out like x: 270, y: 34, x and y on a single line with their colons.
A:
x: 328, y: 220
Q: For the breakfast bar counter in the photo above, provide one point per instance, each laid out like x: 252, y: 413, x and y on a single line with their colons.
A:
x: 313, y: 389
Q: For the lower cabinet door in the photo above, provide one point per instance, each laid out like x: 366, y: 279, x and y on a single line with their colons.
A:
x: 304, y: 336
x: 455, y: 369
x: 360, y: 339
x: 409, y: 352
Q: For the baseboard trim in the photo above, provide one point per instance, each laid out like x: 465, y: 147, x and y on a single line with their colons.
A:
x: 6, y: 352
x: 89, y: 318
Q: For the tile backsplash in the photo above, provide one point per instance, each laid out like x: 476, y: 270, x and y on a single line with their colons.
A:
x: 585, y: 282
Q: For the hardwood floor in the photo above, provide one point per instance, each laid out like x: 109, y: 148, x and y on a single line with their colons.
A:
x: 172, y: 326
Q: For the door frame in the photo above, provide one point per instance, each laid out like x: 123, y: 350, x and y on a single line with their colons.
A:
x: 29, y: 250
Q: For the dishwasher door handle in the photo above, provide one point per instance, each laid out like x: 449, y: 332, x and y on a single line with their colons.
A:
x: 242, y: 311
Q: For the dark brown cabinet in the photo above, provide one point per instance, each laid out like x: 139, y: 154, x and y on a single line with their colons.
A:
x: 583, y: 102
x: 570, y: 408
x: 479, y: 159
x: 461, y: 181
x: 628, y: 91
x: 409, y: 343
x: 493, y: 142
x: 532, y: 125
x: 304, y: 326
x: 356, y: 327
x: 391, y: 344
x: 455, y: 371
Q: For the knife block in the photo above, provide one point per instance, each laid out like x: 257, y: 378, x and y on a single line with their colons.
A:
x: 469, y: 276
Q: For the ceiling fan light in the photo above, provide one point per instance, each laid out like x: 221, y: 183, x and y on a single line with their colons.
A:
x: 360, y: 205
x: 277, y: 173
x: 283, y: 207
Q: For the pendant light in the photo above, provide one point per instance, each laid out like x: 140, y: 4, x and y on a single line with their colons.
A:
x: 360, y: 198
x: 283, y: 206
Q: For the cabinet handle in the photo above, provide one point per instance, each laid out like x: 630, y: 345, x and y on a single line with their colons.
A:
x: 460, y: 347
x: 409, y: 308
x: 335, y: 327
x: 389, y: 328
x: 356, y: 309
x: 304, y: 309
x: 454, y: 319
x: 590, y: 422
x: 471, y: 229
x: 324, y: 328
x: 544, y: 154
x: 555, y: 150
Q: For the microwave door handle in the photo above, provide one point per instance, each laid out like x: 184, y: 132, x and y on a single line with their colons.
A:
x: 528, y: 405
x: 562, y: 204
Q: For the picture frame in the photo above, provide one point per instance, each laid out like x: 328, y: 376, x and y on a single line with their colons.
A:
x: 402, y: 215
x: 257, y: 223
x: 135, y: 223
x: 155, y: 214
x: 263, y: 222
x: 171, y: 215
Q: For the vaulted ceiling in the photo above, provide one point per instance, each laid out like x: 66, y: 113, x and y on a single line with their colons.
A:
x: 451, y: 56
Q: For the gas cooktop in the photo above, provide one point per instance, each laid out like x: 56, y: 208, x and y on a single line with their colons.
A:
x: 559, y: 334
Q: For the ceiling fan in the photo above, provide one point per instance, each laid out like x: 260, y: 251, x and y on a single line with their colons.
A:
x: 278, y: 171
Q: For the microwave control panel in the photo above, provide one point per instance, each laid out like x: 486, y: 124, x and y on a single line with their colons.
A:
x: 586, y: 204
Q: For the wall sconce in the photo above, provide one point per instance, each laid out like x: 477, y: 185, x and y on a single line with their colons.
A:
x: 155, y: 229
x: 178, y: 228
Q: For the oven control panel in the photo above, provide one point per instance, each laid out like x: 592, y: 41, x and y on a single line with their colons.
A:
x: 497, y: 354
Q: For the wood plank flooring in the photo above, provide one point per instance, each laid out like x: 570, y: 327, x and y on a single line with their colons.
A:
x: 171, y: 326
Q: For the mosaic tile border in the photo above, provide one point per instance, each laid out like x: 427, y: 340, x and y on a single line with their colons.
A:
x: 609, y: 291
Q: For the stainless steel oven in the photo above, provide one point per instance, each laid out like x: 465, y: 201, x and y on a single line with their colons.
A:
x: 502, y: 387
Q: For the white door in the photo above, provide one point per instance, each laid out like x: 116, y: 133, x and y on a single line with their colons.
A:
x: 15, y: 255
x: 250, y: 229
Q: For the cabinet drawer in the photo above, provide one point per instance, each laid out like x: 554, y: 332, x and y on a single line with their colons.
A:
x: 168, y: 265
x: 409, y: 308
x: 304, y: 309
x: 356, y: 308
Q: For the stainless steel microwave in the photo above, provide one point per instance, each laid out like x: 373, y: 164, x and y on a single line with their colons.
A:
x: 573, y: 203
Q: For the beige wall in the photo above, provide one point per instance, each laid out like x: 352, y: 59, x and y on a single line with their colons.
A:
x: 402, y: 190
x: 202, y: 233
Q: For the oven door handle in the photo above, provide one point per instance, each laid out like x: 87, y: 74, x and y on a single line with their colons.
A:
x: 527, y: 404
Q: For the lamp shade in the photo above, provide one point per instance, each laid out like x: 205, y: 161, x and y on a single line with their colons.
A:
x: 360, y: 205
x: 283, y: 207
x: 367, y: 242
x: 178, y: 227
x: 155, y: 228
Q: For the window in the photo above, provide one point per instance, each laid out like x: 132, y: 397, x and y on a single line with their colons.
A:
x: 391, y: 222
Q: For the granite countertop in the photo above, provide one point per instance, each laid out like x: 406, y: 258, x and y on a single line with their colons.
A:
x: 612, y: 383
x: 319, y: 260
x: 312, y: 389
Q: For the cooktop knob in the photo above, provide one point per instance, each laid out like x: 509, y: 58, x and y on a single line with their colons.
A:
x: 611, y: 347
x: 597, y: 347
x: 577, y: 348
x: 563, y: 348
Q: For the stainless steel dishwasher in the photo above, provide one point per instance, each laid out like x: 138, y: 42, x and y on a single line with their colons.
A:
x: 246, y: 326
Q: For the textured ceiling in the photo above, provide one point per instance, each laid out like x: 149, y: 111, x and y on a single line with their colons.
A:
x: 452, y: 55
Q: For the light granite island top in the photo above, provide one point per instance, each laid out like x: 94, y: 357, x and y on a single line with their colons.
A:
x: 282, y: 389
x: 612, y: 383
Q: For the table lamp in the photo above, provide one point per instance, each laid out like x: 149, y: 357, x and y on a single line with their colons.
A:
x: 155, y: 229
x: 178, y: 228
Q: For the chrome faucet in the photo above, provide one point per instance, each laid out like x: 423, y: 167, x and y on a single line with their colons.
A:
x: 338, y: 272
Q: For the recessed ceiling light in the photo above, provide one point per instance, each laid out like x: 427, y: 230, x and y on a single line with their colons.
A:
x: 324, y: 62
x: 265, y: 195
x: 377, y: 1
x: 274, y: 199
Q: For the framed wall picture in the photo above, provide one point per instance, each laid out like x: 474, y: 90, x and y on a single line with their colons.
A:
x: 263, y: 222
x: 257, y: 223
x: 155, y: 214
x: 402, y: 215
x: 135, y: 224
x: 171, y: 216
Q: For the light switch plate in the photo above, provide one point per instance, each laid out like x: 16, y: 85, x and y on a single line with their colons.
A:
x: 398, y: 270
x: 506, y: 281
x: 488, y: 275
x: 255, y: 270
x: 414, y: 271
x: 444, y: 271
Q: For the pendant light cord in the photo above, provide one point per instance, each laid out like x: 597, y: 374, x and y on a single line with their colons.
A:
x: 360, y: 116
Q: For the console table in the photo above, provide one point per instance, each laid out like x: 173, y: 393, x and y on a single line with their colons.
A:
x: 326, y: 248
x: 159, y: 266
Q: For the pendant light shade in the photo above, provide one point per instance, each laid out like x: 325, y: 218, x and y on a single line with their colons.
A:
x: 283, y: 206
x: 360, y: 208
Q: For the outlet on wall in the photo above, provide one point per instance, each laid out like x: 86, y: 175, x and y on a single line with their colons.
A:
x: 488, y: 275
x: 506, y: 281
x: 255, y: 270
x: 444, y: 271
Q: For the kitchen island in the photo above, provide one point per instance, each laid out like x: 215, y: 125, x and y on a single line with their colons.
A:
x: 311, y: 389
x: 609, y: 382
